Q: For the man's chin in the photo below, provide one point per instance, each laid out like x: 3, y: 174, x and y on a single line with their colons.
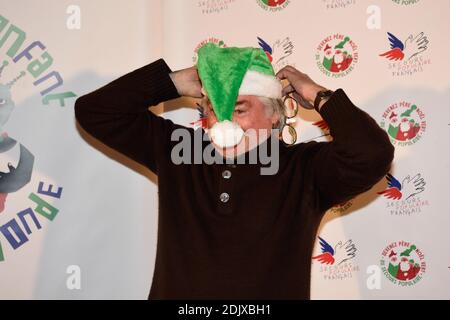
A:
x: 246, y: 144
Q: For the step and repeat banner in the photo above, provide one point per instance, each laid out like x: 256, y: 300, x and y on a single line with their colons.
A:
x: 79, y: 220
x: 390, y: 57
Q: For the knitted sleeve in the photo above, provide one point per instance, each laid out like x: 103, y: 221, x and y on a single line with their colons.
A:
x: 359, y: 155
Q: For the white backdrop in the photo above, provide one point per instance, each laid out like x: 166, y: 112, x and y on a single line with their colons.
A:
x: 106, y: 213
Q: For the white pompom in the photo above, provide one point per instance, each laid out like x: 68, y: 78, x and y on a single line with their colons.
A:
x: 226, y: 134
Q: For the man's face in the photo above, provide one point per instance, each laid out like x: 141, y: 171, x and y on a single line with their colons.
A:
x: 249, y: 113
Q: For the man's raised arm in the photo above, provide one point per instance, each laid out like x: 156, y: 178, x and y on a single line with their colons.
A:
x: 117, y: 114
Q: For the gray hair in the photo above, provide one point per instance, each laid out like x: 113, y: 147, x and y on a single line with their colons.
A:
x: 272, y: 106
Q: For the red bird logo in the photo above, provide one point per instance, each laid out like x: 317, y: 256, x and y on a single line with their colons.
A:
x: 412, y: 47
x: 341, y: 252
x: 202, y: 122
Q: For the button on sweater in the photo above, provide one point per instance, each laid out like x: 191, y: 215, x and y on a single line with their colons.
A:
x: 227, y: 231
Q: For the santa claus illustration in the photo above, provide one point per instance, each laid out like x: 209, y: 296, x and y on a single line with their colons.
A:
x: 341, y: 61
x: 407, y: 269
x: 404, y: 129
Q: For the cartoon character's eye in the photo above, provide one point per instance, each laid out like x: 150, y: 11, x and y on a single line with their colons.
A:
x: 2, y: 101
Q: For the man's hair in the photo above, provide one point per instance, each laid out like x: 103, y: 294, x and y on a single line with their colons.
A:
x: 272, y: 106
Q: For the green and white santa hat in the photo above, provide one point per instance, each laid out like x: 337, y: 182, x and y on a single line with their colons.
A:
x: 226, y: 73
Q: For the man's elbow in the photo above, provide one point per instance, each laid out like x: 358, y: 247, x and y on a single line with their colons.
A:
x: 81, y: 110
x: 383, y: 155
x: 387, y: 148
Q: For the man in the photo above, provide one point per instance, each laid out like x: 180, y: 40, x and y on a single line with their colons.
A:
x: 226, y: 231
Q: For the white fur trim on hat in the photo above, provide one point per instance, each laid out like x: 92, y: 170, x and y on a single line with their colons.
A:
x: 226, y: 134
x: 260, y: 84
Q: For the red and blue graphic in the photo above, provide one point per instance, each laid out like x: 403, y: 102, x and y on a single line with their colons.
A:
x: 409, y: 187
x: 339, y: 254
x: 412, y: 46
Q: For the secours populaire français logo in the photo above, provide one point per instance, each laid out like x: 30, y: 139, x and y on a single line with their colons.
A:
x: 273, y: 5
x: 342, y: 207
x: 405, y: 198
x: 403, y: 263
x: 338, y: 4
x: 336, y: 262
x: 278, y: 51
x: 405, y: 2
x: 404, y: 122
x: 407, y: 57
x: 214, y: 6
x: 336, y: 55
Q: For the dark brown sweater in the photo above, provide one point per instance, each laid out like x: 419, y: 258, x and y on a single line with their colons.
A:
x: 258, y: 244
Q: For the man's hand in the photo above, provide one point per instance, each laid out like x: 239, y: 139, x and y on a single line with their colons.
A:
x: 187, y: 82
x: 300, y: 85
